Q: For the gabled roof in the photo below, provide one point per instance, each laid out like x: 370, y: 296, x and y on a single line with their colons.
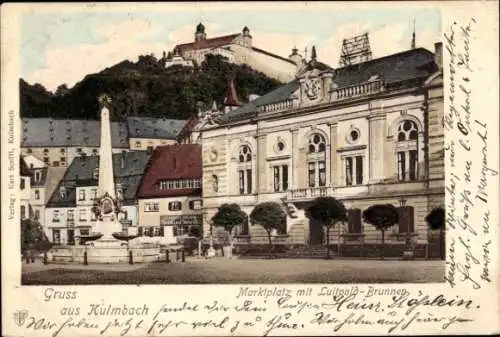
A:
x: 414, y: 64
x: 172, y: 162
x: 143, y: 127
x: 128, y: 169
x: 40, y: 132
x: 207, y: 43
x: 23, y: 168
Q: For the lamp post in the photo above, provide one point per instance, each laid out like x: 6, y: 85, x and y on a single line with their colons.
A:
x: 408, y: 250
x: 211, y: 250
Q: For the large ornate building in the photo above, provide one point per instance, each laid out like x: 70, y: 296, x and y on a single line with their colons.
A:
x: 366, y: 133
x: 238, y: 48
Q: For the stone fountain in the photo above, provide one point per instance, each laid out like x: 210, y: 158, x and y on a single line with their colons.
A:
x: 107, y: 243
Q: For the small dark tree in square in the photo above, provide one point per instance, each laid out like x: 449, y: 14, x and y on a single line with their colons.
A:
x: 382, y: 217
x: 270, y: 216
x: 328, y: 211
x: 229, y: 216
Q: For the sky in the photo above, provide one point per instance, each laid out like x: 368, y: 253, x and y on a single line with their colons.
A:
x: 63, y: 46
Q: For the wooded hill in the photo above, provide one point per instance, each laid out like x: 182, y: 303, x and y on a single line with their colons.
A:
x: 146, y: 88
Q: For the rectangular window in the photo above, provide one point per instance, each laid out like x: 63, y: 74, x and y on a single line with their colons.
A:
x: 249, y: 181
x: 81, y: 195
x: 401, y: 166
x: 38, y: 176
x: 163, y: 185
x: 23, y: 184
x: 413, y: 165
x: 312, y: 174
x: 29, y: 150
x: 406, y: 219
x: 55, y: 216
x: 37, y: 195
x: 285, y: 177
x: 83, y: 215
x: 79, y: 149
x: 46, y: 160
x: 56, y: 236
x: 45, y: 150
x: 37, y: 214
x: 23, y: 211
x: 322, y: 173
x: 348, y: 171
x: 93, y: 194
x: 70, y: 215
x: 359, y: 170
x: 174, y: 206
x: 151, y: 207
x: 195, y: 204
x: 84, y: 232
x: 63, y: 159
x: 62, y: 151
x: 138, y: 144
x: 354, y: 221
x: 276, y: 178
x: 242, y: 181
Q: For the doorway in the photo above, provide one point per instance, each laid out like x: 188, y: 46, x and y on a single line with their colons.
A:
x: 71, y: 237
x: 316, y: 233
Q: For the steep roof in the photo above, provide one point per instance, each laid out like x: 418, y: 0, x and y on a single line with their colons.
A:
x: 414, y: 64
x: 207, y: 43
x: 232, y: 96
x: 23, y: 168
x: 411, y: 64
x: 172, y: 162
x: 39, y: 132
x: 128, y: 169
x: 143, y: 127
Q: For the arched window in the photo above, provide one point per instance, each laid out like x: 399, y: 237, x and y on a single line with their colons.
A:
x: 407, y: 150
x: 245, y: 169
x: 316, y: 160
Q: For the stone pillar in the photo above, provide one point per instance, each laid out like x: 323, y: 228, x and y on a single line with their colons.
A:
x: 106, y: 179
x: 377, y: 126
x: 295, y: 158
x: 260, y: 176
x: 333, y: 169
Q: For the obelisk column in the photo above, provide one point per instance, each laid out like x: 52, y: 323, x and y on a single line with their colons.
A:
x: 106, y: 178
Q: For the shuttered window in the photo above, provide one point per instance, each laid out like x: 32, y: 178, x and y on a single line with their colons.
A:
x: 406, y: 219
x: 354, y: 221
x: 140, y: 231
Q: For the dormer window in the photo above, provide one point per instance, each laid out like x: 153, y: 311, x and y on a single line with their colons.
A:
x: 62, y: 192
x: 38, y: 175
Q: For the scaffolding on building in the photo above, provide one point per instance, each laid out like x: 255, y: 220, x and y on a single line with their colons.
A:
x: 355, y: 50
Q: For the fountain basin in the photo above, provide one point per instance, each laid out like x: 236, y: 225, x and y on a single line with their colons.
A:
x: 103, y: 254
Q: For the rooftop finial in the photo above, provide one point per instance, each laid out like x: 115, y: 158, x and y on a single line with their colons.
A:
x: 413, y: 43
x: 313, y: 53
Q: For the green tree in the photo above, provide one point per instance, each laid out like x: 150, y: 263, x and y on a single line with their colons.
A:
x: 229, y: 216
x: 328, y: 211
x: 382, y: 217
x: 268, y: 215
x: 33, y: 237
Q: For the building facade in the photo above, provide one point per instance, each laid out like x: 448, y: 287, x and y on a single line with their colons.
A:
x: 366, y: 134
x: 57, y: 142
x: 68, y: 213
x: 238, y: 48
x: 169, y: 198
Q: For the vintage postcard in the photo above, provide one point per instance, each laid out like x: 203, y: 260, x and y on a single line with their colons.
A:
x: 256, y: 168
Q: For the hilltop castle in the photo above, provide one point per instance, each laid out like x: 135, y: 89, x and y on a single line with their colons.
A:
x: 238, y: 48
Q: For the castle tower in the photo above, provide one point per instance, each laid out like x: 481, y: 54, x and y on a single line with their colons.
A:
x: 295, y: 57
x: 200, y: 33
x: 247, y: 38
x: 231, y: 102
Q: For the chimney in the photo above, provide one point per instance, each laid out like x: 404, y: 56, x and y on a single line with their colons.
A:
x: 438, y: 55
